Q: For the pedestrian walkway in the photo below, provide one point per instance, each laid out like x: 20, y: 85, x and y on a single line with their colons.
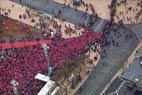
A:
x: 51, y: 7
x: 102, y: 9
x: 101, y: 6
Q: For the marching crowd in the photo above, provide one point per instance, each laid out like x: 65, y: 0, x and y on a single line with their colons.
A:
x: 26, y: 62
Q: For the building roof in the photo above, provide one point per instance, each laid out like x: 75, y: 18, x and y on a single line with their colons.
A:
x: 120, y: 85
x: 134, y: 71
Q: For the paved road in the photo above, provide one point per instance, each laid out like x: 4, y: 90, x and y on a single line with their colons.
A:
x: 115, y: 59
x: 137, y: 28
x: 68, y: 13
x: 119, y: 87
x: 116, y: 56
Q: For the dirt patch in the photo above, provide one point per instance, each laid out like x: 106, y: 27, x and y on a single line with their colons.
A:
x: 17, y: 29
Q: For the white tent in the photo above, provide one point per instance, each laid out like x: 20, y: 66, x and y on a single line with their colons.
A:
x: 42, y: 77
x: 50, y: 86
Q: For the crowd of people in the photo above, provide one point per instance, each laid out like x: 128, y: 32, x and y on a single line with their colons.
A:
x: 26, y: 62
x: 69, y: 48
x: 22, y: 69
x: 89, y: 8
x: 131, y: 13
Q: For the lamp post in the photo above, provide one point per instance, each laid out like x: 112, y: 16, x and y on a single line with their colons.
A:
x: 15, y: 84
x: 46, y: 50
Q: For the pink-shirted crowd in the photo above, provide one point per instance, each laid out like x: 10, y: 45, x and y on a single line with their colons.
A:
x: 69, y: 48
x: 26, y: 62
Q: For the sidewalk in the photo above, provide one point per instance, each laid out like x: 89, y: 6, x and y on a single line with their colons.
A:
x: 101, y: 8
